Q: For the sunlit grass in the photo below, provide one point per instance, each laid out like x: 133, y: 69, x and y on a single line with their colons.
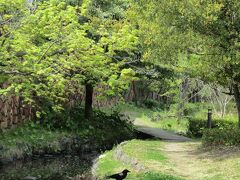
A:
x: 108, y: 165
x: 170, y: 160
x: 148, y: 153
x: 145, y: 150
x: 155, y: 118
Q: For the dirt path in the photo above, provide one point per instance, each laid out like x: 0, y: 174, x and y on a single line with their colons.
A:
x: 193, y: 163
x: 189, y: 160
x: 184, y: 158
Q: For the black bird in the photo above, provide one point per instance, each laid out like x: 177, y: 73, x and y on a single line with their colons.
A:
x: 119, y: 176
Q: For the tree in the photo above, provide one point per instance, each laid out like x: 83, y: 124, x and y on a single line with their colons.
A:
x: 60, y: 45
x: 110, y: 16
x: 217, y: 22
x: 215, y: 94
x: 199, y: 38
x: 162, y: 43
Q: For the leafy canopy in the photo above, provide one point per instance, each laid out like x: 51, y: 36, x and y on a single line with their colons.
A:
x: 61, y: 46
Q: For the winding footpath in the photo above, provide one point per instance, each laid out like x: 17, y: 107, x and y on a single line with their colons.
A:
x: 192, y: 162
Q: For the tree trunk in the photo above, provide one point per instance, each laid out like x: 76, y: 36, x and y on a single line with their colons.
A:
x: 135, y: 94
x: 183, y: 93
x: 237, y: 99
x: 88, y: 101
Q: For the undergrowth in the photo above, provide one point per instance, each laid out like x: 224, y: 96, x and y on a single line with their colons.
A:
x: 65, y: 132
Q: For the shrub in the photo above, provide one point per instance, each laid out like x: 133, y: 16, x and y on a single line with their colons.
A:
x: 192, y: 108
x: 216, y: 137
x: 101, y: 127
x: 197, y: 125
x: 150, y: 103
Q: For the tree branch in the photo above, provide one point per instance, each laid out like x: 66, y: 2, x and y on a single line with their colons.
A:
x: 40, y: 59
x: 228, y: 93
x: 15, y: 72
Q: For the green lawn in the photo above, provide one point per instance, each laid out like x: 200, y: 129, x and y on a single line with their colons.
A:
x: 147, y: 154
x: 171, y: 161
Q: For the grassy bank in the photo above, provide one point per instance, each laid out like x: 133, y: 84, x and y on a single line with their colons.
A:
x: 29, y: 139
x: 65, y: 133
x: 145, y: 160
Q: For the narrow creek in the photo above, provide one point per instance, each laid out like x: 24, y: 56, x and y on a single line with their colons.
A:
x: 52, y: 167
x: 48, y: 167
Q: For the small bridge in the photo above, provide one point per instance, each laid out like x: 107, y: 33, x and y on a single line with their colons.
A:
x: 163, y: 134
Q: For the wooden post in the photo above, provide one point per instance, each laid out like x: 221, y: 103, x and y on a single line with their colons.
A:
x: 209, y: 121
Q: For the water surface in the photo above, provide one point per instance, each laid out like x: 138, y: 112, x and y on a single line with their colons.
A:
x: 49, y: 167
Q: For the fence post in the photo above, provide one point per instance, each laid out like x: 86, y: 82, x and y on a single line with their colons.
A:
x: 209, y: 121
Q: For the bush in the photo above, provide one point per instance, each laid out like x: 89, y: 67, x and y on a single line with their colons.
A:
x: 101, y: 127
x: 150, y: 103
x: 192, y: 108
x: 197, y: 125
x: 216, y: 137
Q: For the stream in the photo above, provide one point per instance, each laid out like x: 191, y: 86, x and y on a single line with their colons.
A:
x: 47, y: 167
x: 53, y: 167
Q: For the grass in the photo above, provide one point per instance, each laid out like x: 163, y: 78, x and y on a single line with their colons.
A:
x: 27, y: 138
x: 173, y: 161
x: 148, y: 153
x: 152, y: 151
x: 158, y: 176
x: 29, y: 132
x: 154, y: 118
x: 108, y: 165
